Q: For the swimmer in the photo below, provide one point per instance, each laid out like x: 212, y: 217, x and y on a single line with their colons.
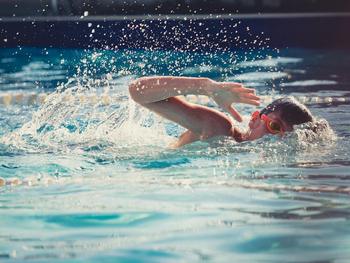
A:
x: 161, y: 95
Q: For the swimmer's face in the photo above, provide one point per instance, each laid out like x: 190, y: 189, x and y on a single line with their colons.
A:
x: 258, y: 127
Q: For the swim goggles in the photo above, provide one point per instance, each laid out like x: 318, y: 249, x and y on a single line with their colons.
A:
x: 274, y: 127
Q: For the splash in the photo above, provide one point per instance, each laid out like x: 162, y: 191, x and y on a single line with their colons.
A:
x: 317, y: 132
x: 67, y: 122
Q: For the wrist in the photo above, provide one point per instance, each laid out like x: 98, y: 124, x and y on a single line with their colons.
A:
x: 209, y: 87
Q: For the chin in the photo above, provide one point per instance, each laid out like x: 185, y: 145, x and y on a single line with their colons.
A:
x: 250, y: 125
x: 249, y: 135
x: 252, y: 135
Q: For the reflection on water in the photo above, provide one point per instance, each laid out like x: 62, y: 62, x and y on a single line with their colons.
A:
x: 91, y: 179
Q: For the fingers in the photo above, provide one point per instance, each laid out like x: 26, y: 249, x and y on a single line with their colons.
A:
x: 250, y: 96
x: 247, y: 90
x: 250, y: 102
x: 239, y: 87
x: 235, y: 114
x: 237, y: 93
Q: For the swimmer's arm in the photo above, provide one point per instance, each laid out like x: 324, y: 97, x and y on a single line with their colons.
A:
x: 149, y: 90
x: 146, y: 90
x: 159, y: 94
x: 185, y: 138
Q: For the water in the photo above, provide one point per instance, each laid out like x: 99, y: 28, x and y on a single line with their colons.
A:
x: 89, y: 176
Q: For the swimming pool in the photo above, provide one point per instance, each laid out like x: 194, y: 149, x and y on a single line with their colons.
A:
x: 89, y: 176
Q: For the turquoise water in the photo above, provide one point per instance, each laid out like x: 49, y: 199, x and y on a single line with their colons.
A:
x: 89, y: 176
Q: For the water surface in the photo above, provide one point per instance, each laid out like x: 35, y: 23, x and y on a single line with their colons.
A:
x: 90, y: 177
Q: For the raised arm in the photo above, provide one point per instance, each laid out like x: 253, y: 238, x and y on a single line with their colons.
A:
x: 152, y: 89
x: 159, y: 94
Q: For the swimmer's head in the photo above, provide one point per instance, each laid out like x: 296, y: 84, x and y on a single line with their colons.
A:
x: 277, y: 118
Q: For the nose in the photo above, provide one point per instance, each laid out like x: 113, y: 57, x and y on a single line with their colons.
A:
x: 251, y: 124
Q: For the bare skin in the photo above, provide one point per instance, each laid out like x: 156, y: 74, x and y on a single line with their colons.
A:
x: 160, y: 95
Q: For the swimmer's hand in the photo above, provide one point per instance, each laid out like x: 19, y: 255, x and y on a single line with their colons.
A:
x: 227, y: 93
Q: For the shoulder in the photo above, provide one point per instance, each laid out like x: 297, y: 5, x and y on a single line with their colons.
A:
x: 215, y: 123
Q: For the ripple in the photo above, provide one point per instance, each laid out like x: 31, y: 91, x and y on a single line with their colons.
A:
x: 101, y: 219
x: 258, y: 76
x: 294, y: 188
x: 270, y: 62
x: 310, y: 82
x: 160, y: 164
x: 268, y: 243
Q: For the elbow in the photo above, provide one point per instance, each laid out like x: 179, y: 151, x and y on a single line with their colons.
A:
x: 134, y: 90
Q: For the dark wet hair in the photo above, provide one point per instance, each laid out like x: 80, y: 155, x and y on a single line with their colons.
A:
x: 290, y: 111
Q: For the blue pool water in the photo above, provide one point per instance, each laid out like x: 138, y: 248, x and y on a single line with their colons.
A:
x: 88, y: 175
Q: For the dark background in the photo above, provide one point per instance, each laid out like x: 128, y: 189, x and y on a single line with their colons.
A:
x: 73, y: 24
x: 10, y: 8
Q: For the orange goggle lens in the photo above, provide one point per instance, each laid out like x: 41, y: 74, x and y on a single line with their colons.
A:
x: 272, y: 126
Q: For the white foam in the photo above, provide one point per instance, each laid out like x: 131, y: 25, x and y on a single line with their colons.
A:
x: 270, y: 62
x: 309, y: 82
x: 258, y: 76
x: 75, y: 117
